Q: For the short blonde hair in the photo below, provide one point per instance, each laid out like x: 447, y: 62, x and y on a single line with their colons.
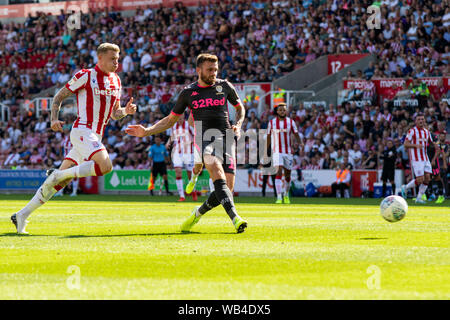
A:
x: 105, y: 47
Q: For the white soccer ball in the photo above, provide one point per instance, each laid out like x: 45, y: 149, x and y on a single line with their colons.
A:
x: 393, y: 208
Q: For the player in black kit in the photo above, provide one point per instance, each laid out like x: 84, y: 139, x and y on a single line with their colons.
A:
x: 438, y: 154
x: 389, y: 157
x: 208, y: 100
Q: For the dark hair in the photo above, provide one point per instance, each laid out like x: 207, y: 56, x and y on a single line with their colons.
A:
x: 420, y: 114
x: 203, y: 57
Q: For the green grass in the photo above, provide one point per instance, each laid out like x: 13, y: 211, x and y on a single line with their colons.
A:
x: 130, y: 247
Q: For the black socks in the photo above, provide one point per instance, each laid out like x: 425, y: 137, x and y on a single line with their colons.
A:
x: 221, y: 195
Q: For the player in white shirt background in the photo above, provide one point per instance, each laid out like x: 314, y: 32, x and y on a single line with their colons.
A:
x: 98, y: 100
x: 66, y: 146
x: 279, y: 133
x: 416, y: 142
x: 182, y: 141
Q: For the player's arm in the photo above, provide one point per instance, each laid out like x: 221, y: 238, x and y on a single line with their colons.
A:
x: 161, y: 126
x: 234, y: 99
x: 408, y: 144
x: 118, y: 112
x: 169, y: 143
x: 62, y: 94
x: 191, y: 120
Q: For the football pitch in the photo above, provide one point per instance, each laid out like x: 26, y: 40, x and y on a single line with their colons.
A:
x: 130, y: 247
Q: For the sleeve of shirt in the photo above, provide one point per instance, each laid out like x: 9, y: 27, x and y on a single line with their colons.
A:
x: 78, y: 81
x: 348, y: 178
x: 269, y: 127
x: 293, y: 126
x: 430, y: 138
x: 233, y: 97
x: 150, y: 153
x: 181, y: 104
x: 409, y: 135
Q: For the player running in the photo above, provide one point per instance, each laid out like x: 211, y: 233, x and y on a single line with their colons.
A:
x: 416, y: 141
x: 279, y: 133
x: 182, y: 141
x: 207, y: 99
x: 98, y: 100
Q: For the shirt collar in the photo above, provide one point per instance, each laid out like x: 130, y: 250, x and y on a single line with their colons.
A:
x: 97, y: 68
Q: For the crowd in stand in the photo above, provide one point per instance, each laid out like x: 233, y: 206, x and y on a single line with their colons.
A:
x: 255, y: 41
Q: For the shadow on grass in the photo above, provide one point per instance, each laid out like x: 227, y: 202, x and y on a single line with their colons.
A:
x: 15, y: 234
x: 372, y: 238
x: 172, y: 200
x: 144, y: 234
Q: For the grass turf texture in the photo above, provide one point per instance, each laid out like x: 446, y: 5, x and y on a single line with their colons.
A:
x: 130, y: 247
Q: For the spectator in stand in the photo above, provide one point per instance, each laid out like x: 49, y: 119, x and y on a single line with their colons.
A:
x: 342, y: 184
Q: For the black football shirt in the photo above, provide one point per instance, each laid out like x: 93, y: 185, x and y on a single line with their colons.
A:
x: 208, y: 104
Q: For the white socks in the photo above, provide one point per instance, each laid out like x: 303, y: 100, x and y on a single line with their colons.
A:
x: 422, y: 189
x: 86, y: 169
x: 75, y: 186
x: 279, y: 188
x: 180, y: 187
x: 411, y: 184
x: 35, y: 202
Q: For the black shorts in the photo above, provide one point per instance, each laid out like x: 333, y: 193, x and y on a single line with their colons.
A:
x: 159, y: 168
x: 225, y: 152
x: 388, y: 174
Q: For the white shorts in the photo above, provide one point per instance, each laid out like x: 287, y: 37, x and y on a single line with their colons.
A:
x: 421, y: 167
x: 283, y: 159
x: 183, y: 161
x: 85, y: 143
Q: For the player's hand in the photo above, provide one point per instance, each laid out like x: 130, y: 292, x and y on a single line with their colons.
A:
x: 237, y: 131
x: 136, y: 130
x: 56, y: 125
x: 130, y: 108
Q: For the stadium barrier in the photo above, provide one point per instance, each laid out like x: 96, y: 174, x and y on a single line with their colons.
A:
x: 138, y: 182
x: 248, y: 181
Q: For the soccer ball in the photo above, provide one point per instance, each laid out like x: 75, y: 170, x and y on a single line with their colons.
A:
x: 393, y: 208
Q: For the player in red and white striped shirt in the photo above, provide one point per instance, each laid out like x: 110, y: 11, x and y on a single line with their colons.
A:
x: 182, y: 140
x: 417, y: 140
x: 279, y: 133
x: 98, y: 100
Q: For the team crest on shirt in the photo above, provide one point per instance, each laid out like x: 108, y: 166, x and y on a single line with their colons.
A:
x: 219, y: 89
x: 95, y: 144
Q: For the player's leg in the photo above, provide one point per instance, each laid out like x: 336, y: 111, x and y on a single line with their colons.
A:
x: 75, y: 183
x: 428, y: 171
x: 179, y: 182
x: 334, y: 190
x: 166, y: 179
x: 287, y: 177
x: 88, y: 144
x: 189, y: 167
x: 20, y: 218
x: 279, y: 184
x: 193, y: 179
x: 440, y: 186
x: 384, y: 180
x: 422, y: 188
x: 417, y: 171
x: 264, y: 184
x: 98, y: 165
